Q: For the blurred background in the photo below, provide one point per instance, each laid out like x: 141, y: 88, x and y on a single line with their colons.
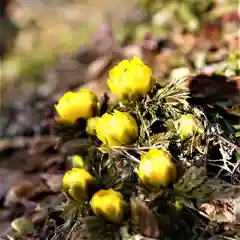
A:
x: 48, y: 47
x: 39, y: 34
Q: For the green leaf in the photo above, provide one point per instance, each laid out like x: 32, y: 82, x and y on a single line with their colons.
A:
x: 22, y: 226
x: 238, y: 156
x: 237, y: 127
x: 193, y: 178
x: 237, y: 134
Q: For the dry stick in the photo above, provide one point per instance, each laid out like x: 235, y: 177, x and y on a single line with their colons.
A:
x: 137, y: 148
x: 71, y: 231
x: 125, y: 153
x: 131, y: 156
x: 230, y: 143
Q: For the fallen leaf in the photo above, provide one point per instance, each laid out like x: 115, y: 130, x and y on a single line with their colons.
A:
x: 220, y: 211
x: 147, y: 220
x: 212, y: 87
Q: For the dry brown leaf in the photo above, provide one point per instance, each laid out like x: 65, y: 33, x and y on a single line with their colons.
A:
x: 220, y: 211
x: 147, y: 220
x: 213, y: 87
x: 224, y: 203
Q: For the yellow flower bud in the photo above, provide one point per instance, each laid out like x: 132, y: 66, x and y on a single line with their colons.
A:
x: 108, y: 204
x: 117, y: 129
x: 130, y: 80
x: 74, y: 105
x: 76, y: 184
x: 91, y: 125
x: 77, y: 161
x: 156, y: 168
x: 189, y: 126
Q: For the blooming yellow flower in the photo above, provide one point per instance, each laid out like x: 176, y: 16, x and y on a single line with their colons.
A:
x: 91, y: 125
x: 76, y: 183
x: 117, y: 129
x: 130, y: 80
x: 156, y: 168
x: 108, y: 204
x: 74, y: 105
x: 188, y: 126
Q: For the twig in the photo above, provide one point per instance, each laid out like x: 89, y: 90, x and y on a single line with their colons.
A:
x: 217, y: 134
x: 71, y: 231
x: 137, y: 148
x: 230, y: 143
x: 131, y: 156
x: 124, y: 152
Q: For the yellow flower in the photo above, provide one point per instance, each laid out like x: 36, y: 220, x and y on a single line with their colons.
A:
x: 189, y: 126
x: 91, y: 125
x: 117, y: 129
x: 156, y: 168
x: 74, y: 105
x: 130, y: 80
x: 108, y: 204
x: 76, y: 183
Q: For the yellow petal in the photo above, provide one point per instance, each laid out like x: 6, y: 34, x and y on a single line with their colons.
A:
x: 118, y: 128
x: 108, y: 204
x: 74, y: 105
x: 130, y: 80
x: 156, y: 168
x: 76, y: 182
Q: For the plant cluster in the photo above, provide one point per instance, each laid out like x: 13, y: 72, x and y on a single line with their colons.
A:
x: 140, y: 164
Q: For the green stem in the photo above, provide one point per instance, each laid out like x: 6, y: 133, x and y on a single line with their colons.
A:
x: 143, y: 122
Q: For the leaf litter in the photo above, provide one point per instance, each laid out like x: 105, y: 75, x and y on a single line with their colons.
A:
x: 203, y: 204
